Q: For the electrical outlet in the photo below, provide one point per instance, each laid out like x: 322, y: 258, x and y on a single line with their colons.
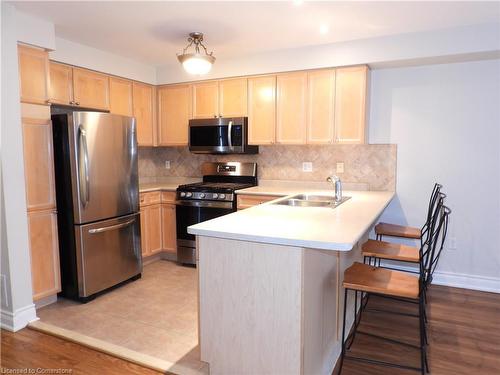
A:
x: 307, y: 166
x: 452, y: 244
x: 167, y: 164
x: 340, y: 167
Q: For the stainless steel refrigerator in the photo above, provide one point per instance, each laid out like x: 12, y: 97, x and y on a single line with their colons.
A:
x: 97, y: 201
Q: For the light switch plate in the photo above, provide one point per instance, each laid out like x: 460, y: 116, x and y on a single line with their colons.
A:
x: 167, y: 164
x: 307, y: 166
x: 340, y: 167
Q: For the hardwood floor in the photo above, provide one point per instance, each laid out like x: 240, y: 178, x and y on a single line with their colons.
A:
x: 464, y: 335
x: 31, y: 349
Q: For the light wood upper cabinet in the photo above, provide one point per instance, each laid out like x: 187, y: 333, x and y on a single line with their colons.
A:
x: 61, y: 84
x: 233, y: 97
x: 44, y: 251
x: 174, y: 112
x: 120, y: 96
x: 320, y: 106
x: 33, y: 75
x: 350, y: 104
x: 261, y: 110
x: 90, y: 89
x: 38, y: 157
x: 143, y: 104
x: 206, y: 100
x: 169, y: 231
x: 291, y: 107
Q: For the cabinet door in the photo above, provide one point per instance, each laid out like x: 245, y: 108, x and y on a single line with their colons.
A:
x: 61, y: 83
x: 44, y: 250
x: 169, y: 232
x: 320, y: 106
x: 90, y: 89
x: 33, y: 75
x: 144, y: 232
x: 350, y: 104
x: 143, y: 113
x: 38, y: 157
x: 120, y: 96
x: 233, y: 97
x: 291, y: 108
x: 154, y: 228
x: 174, y: 112
x: 261, y: 110
x: 206, y: 100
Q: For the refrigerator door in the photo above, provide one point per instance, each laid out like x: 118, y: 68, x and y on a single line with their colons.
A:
x: 108, y: 252
x: 103, y: 150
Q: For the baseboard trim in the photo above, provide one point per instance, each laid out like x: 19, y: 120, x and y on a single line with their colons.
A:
x: 15, y: 320
x: 117, y: 351
x: 458, y: 280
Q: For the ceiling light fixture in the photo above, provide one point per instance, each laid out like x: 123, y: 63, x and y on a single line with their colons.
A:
x: 196, y: 63
x: 324, y: 28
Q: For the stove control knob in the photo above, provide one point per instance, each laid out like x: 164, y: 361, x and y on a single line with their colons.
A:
x: 189, y: 195
x: 182, y: 194
x: 215, y: 196
x: 202, y: 195
x: 222, y: 196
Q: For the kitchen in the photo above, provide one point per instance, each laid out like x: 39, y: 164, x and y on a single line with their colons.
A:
x: 281, y: 124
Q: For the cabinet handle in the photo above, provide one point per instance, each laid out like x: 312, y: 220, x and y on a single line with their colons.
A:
x: 71, y: 102
x: 48, y: 101
x: 77, y: 103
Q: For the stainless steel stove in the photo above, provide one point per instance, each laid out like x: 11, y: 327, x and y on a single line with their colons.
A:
x: 209, y: 199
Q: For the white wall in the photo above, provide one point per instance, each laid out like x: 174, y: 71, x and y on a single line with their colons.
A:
x: 35, y: 31
x: 88, y: 57
x: 17, y: 307
x: 455, y: 44
x: 445, y: 120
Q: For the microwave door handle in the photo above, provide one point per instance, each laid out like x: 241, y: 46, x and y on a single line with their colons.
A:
x: 83, y: 167
x: 229, y: 135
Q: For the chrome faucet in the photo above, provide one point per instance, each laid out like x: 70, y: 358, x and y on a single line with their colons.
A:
x: 335, y: 180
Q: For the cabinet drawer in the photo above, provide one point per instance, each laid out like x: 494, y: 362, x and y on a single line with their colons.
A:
x: 245, y: 201
x: 168, y: 197
x: 150, y: 198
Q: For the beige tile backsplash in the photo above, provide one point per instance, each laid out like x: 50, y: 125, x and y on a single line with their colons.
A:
x: 371, y: 164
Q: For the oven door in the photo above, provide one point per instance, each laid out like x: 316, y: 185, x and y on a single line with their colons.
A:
x: 193, y: 212
x: 221, y: 135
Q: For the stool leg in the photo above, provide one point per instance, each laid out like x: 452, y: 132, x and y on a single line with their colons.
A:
x: 342, y: 355
x: 422, y: 343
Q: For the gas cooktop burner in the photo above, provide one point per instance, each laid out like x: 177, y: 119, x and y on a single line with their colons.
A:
x: 228, y: 187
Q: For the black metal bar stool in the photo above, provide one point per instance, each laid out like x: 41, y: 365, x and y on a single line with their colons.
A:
x: 397, y: 285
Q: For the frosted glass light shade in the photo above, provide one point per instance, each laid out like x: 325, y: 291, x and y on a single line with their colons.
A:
x: 196, y: 63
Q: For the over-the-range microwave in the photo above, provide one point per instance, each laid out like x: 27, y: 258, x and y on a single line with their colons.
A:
x: 221, y: 135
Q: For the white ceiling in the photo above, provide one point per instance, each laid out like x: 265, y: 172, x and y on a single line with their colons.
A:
x: 153, y: 32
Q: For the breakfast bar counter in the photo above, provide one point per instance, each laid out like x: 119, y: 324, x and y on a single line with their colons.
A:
x: 270, y: 283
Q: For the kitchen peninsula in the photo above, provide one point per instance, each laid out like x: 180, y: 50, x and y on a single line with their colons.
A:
x: 270, y: 281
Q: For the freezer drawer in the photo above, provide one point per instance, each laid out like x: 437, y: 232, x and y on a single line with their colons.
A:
x: 108, y: 252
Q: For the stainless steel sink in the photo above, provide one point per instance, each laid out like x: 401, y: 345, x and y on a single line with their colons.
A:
x: 309, y: 200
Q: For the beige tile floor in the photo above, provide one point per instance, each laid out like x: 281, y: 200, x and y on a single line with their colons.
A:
x: 156, y: 315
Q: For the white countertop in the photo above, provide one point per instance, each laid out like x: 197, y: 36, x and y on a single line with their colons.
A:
x: 165, y: 184
x: 281, y: 188
x: 311, y: 227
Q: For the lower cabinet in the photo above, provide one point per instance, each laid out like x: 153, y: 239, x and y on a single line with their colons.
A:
x: 246, y: 201
x: 44, y: 249
x: 169, y: 232
x: 158, y: 226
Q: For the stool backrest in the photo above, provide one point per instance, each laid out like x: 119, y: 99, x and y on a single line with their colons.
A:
x: 431, y: 210
x: 431, y: 249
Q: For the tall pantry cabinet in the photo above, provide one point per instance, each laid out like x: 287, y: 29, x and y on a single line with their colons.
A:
x: 39, y: 171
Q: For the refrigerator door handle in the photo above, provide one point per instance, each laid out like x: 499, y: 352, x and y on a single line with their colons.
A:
x: 111, y: 227
x: 83, y: 168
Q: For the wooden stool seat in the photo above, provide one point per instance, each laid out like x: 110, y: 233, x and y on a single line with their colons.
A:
x: 389, y: 250
x: 365, y: 278
x: 393, y: 230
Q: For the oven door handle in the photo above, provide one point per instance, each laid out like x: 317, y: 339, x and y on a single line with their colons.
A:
x: 207, y: 204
